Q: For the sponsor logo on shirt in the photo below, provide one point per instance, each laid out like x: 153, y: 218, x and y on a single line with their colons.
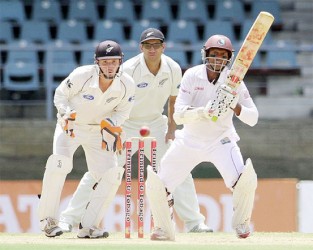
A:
x: 142, y: 85
x: 225, y: 140
x: 199, y: 88
x: 68, y: 83
x: 110, y: 99
x: 132, y: 98
x: 89, y: 97
x: 185, y: 91
x: 161, y: 83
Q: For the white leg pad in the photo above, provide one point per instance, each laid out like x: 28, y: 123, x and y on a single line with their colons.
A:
x: 243, y: 196
x: 57, y: 168
x: 101, y: 197
x: 157, y: 197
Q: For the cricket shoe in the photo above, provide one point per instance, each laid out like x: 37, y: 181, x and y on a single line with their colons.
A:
x: 66, y: 227
x: 50, y: 227
x: 243, y: 231
x: 91, y: 233
x: 201, y: 228
x: 159, y: 234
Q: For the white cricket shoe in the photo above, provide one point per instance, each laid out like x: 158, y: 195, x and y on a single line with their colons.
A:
x: 50, y: 227
x: 91, y: 233
x: 159, y: 234
x: 201, y: 228
x: 66, y: 227
x: 243, y: 231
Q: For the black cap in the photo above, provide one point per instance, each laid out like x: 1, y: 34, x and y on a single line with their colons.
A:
x: 108, y: 50
x: 151, y: 33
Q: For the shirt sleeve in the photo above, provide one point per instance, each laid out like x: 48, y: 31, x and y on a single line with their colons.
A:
x: 184, y: 96
x: 249, y: 113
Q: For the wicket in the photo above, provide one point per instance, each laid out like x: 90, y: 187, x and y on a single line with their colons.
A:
x: 141, y: 182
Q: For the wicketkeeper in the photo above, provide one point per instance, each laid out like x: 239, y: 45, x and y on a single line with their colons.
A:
x: 92, y: 103
x: 205, y: 140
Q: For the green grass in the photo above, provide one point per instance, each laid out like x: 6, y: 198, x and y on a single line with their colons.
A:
x: 215, y: 241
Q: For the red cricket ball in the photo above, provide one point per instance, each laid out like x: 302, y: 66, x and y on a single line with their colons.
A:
x: 144, y: 131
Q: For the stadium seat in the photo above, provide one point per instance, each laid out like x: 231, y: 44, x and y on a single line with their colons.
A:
x: 20, y: 72
x: 130, y: 49
x: 139, y: 26
x: 179, y: 56
x: 6, y: 32
x: 214, y: 27
x: 35, y: 32
x: 192, y: 10
x: 72, y: 31
x: 12, y: 10
x: 47, y: 10
x: 109, y: 30
x: 281, y: 59
x: 182, y: 31
x: 83, y: 10
x: 87, y: 57
x: 272, y: 6
x: 120, y: 10
x: 60, y: 64
x: 156, y: 10
x: 230, y: 10
x: 196, y: 57
x: 257, y: 62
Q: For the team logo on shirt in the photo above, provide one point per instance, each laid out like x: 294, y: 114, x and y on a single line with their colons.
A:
x: 142, y: 85
x: 89, y: 97
x: 69, y: 83
x: 161, y: 83
x: 110, y: 99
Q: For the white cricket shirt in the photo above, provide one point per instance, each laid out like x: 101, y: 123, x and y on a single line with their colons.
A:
x: 196, y: 91
x: 152, y: 92
x: 80, y: 91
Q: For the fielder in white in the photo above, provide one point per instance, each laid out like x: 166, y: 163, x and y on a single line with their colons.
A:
x: 92, y: 103
x: 203, y: 140
x: 157, y: 78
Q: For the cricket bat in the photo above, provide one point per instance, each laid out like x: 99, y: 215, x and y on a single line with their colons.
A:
x: 248, y: 50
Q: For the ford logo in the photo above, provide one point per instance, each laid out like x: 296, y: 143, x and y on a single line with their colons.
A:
x: 88, y: 97
x: 142, y: 85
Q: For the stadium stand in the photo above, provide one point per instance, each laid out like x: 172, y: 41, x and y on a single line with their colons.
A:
x: 12, y: 10
x: 47, y: 10
x: 157, y: 10
x: 230, y: 10
x: 108, y: 29
x: 6, y: 32
x: 181, y: 31
x: 120, y: 10
x: 35, y: 32
x: 192, y: 10
x: 83, y: 10
x: 72, y: 31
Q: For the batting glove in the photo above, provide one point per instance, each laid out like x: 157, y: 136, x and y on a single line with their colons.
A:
x: 67, y: 121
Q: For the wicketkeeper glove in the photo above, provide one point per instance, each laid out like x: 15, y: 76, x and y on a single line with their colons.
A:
x: 67, y: 122
x: 111, y: 136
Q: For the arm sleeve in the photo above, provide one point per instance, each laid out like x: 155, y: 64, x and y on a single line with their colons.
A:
x: 249, y: 113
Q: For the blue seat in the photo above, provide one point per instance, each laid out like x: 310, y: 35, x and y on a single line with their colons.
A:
x: 156, y: 10
x: 182, y: 31
x: 72, y: 31
x: 6, y: 32
x: 271, y: 6
x: 47, y: 10
x: 87, y: 57
x: 230, y: 10
x: 12, y: 10
x: 130, y: 49
x: 21, y: 77
x: 22, y: 56
x: 257, y: 62
x: 83, y: 10
x: 179, y: 56
x: 139, y: 26
x: 281, y: 59
x: 192, y: 10
x: 196, y: 57
x: 35, y: 32
x: 214, y: 27
x: 109, y: 30
x: 120, y: 10
x: 60, y: 65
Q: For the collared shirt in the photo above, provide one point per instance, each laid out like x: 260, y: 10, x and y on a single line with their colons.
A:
x: 152, y: 91
x: 197, y: 91
x: 80, y: 91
